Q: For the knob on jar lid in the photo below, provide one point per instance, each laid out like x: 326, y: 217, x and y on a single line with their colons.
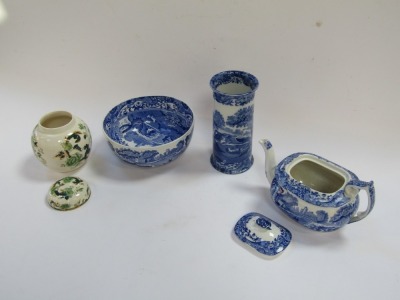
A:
x: 68, y: 193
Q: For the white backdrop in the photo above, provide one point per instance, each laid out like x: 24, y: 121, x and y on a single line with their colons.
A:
x: 329, y: 75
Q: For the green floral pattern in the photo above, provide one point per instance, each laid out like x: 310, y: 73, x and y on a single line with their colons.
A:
x: 63, y: 148
x: 75, y: 147
x: 37, y: 150
x: 68, y: 193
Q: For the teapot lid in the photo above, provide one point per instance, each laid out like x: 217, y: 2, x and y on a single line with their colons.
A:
x: 263, y: 234
x: 68, y: 193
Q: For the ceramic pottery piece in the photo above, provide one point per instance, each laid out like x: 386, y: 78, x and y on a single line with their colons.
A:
x: 263, y: 234
x: 149, y: 131
x: 68, y: 193
x: 61, y: 141
x: 233, y: 93
x: 316, y: 192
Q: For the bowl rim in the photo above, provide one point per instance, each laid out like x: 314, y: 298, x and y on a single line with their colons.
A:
x: 186, y: 133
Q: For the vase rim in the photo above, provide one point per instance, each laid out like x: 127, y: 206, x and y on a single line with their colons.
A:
x: 56, y: 121
x: 225, y: 77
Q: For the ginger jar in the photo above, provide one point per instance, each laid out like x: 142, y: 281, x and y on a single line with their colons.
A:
x: 61, y: 141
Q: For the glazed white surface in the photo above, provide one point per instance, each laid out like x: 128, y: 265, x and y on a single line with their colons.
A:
x: 263, y: 233
x: 329, y: 84
x: 48, y: 142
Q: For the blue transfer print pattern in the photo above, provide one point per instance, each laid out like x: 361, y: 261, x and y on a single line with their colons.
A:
x: 152, y: 158
x: 232, y: 139
x: 148, y: 121
x: 253, y: 239
x: 288, y: 192
x: 239, y: 77
x: 141, y: 127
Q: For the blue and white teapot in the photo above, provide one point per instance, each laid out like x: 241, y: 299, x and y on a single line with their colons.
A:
x: 315, y: 192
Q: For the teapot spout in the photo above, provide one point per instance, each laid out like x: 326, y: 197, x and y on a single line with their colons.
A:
x: 270, y: 162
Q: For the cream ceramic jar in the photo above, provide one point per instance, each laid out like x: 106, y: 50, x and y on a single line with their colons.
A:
x: 61, y: 141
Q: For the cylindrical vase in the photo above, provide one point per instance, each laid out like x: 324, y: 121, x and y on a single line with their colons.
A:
x: 233, y: 93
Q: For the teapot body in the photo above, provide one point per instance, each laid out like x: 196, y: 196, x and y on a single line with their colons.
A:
x: 317, y: 193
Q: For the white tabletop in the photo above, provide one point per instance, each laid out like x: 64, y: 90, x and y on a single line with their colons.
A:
x: 329, y: 74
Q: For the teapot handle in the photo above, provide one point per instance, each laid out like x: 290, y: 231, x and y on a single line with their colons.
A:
x: 352, y: 189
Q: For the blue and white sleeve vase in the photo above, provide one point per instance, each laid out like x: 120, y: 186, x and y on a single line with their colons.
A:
x: 233, y: 93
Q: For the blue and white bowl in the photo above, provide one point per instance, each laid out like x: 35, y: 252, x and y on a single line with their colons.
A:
x: 149, y: 131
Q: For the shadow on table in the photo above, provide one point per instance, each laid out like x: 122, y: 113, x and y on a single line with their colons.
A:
x: 32, y: 169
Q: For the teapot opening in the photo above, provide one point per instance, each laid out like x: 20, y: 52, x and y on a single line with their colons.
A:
x: 317, y: 177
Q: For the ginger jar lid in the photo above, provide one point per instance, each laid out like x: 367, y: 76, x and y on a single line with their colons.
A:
x: 263, y: 234
x: 68, y: 193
